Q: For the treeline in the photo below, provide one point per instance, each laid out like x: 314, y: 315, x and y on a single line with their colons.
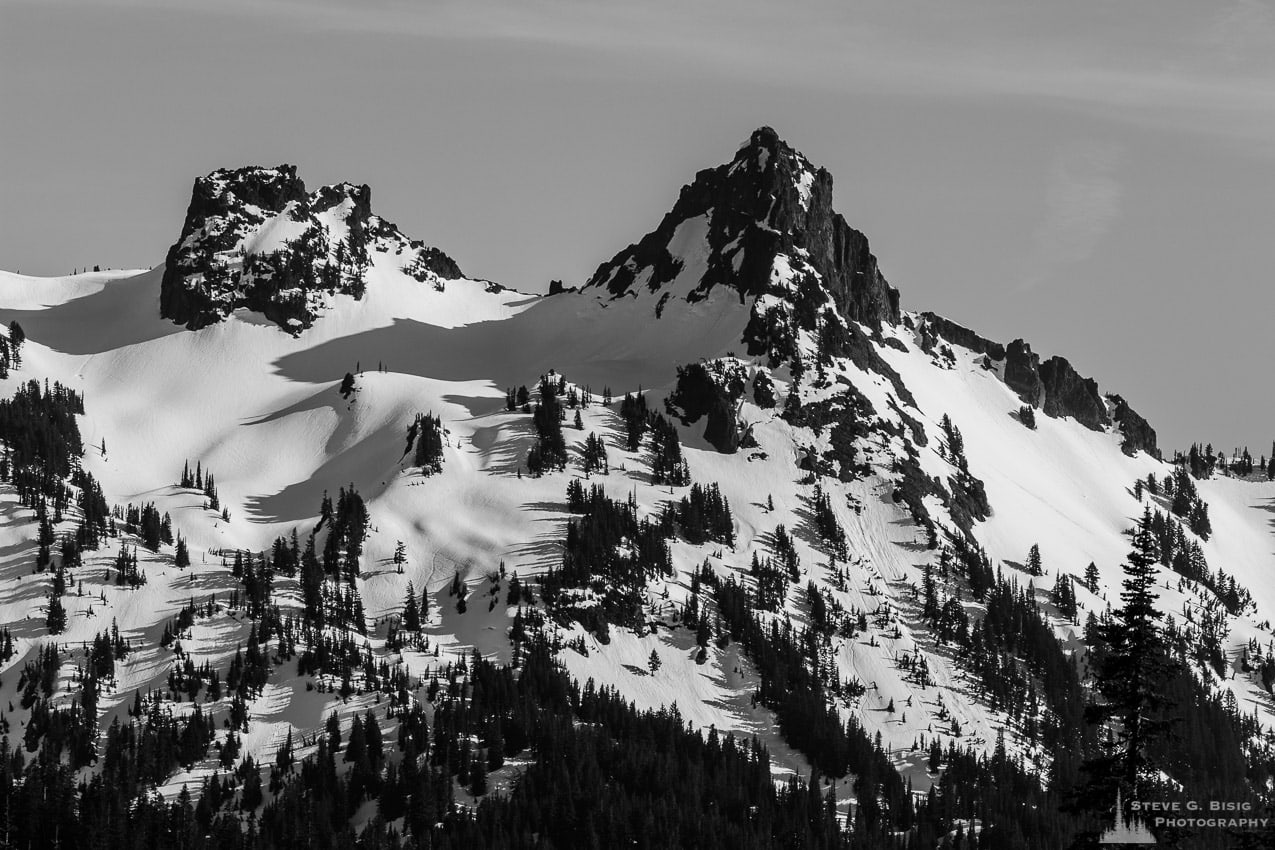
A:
x: 1203, y: 462
x: 604, y: 774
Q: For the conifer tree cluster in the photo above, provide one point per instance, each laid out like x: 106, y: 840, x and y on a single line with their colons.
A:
x: 634, y: 412
x: 785, y: 552
x: 41, y: 440
x: 146, y: 522
x: 203, y: 481
x: 11, y: 349
x: 1015, y: 810
x: 1027, y: 416
x: 668, y: 466
x: 1242, y: 465
x: 1012, y: 651
x: 595, y: 455
x: 1186, y: 558
x: 702, y: 515
x: 549, y: 452
x: 1063, y: 595
x: 519, y: 399
x: 426, y: 433
x: 1187, y: 502
x: 328, y: 579
x: 1201, y: 462
x: 126, y: 568
x: 770, y: 584
x: 646, y: 773
x: 611, y: 551
x: 827, y: 524
x: 954, y: 442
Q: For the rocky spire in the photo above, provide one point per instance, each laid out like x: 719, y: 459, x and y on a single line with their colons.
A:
x: 766, y: 217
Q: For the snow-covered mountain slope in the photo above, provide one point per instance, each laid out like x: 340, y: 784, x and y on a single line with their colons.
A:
x: 791, y: 375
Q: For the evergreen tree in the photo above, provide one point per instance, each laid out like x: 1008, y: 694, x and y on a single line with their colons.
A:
x: 1132, y: 671
x: 411, y: 612
x: 56, y: 620
x: 347, y: 385
x: 1033, y: 561
x: 1091, y: 577
x: 17, y: 337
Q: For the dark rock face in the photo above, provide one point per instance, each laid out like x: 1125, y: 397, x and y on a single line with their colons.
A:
x: 768, y: 201
x: 1069, y: 394
x: 1022, y: 372
x: 253, y: 237
x: 963, y: 336
x: 1054, y: 386
x: 1137, y: 432
x: 710, y: 390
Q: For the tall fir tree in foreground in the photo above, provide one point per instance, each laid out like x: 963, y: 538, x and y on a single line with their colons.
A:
x: 1131, y: 674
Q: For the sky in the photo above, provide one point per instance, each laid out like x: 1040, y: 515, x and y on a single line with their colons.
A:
x: 1097, y: 178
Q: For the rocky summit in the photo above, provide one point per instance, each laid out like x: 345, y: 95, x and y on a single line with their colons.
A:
x: 254, y: 238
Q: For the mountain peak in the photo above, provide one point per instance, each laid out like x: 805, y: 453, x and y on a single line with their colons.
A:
x: 764, y: 148
x: 254, y: 237
x: 760, y: 224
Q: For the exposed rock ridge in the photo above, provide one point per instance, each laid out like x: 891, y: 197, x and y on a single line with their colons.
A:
x: 1054, y: 385
x: 255, y: 238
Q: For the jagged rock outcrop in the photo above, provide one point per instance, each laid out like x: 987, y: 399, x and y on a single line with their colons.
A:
x: 766, y: 220
x: 1022, y: 372
x: 254, y: 238
x: 1068, y: 393
x: 1137, y: 433
x: 1054, y: 386
x: 963, y: 336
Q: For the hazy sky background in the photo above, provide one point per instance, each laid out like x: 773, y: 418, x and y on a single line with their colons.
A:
x: 1095, y: 177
